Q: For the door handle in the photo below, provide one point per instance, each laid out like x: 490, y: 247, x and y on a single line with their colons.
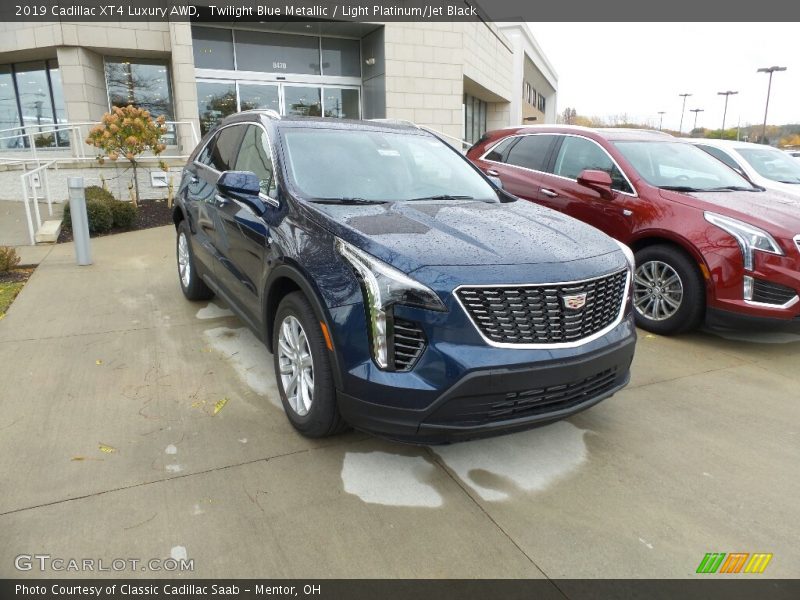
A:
x: 194, y: 179
x: 221, y: 200
x: 549, y: 193
x: 493, y: 173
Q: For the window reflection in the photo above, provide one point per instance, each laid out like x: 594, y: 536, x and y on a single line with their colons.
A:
x: 9, y: 113
x: 302, y: 101
x: 215, y: 102
x: 341, y: 103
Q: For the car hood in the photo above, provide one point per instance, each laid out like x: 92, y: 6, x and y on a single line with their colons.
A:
x: 772, y: 209
x: 410, y: 235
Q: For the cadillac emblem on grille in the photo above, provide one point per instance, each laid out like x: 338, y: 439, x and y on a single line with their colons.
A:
x: 575, y: 301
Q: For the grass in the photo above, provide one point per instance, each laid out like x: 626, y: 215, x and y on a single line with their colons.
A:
x: 8, y: 291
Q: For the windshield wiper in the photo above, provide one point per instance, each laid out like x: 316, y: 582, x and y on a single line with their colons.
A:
x: 736, y: 188
x: 680, y: 188
x: 793, y: 182
x: 441, y: 197
x: 346, y: 200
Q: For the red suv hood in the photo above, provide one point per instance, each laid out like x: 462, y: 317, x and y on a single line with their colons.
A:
x: 776, y: 212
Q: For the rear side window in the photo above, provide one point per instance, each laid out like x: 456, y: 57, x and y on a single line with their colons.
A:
x: 578, y: 154
x: 255, y: 156
x: 720, y: 155
x: 226, y: 144
x: 498, y: 153
x: 531, y: 152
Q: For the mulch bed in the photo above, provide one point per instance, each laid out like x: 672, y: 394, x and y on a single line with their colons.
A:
x: 16, y: 275
x: 151, y: 213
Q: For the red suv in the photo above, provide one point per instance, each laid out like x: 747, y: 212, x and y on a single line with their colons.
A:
x: 709, y: 245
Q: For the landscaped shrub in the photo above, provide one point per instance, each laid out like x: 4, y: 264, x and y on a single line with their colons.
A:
x: 8, y: 258
x: 101, y: 219
x: 95, y: 192
x: 124, y: 213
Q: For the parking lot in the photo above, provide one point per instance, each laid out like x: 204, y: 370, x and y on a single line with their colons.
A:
x: 136, y: 424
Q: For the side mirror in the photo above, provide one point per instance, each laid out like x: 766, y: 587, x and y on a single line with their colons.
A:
x: 243, y: 186
x: 599, y: 181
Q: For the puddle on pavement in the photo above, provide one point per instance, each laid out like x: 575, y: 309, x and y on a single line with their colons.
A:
x: 213, y: 311
x: 248, y: 357
x: 390, y: 479
x: 530, y: 461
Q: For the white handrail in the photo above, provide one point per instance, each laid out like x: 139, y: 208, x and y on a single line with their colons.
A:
x: 27, y: 179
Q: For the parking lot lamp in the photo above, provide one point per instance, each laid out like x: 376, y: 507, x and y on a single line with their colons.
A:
x: 695, y: 111
x: 683, y: 110
x: 725, y: 112
x: 769, y: 70
x: 661, y: 114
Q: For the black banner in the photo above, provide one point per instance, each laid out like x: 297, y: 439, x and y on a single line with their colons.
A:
x: 395, y: 10
x: 382, y: 589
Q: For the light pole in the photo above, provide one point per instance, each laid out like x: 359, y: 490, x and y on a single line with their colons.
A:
x: 695, y: 111
x: 725, y: 112
x: 661, y: 114
x: 769, y: 70
x: 683, y: 110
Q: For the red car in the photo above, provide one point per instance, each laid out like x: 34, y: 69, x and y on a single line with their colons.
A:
x: 710, y: 246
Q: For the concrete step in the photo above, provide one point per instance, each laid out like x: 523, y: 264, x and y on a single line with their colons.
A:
x: 48, y: 232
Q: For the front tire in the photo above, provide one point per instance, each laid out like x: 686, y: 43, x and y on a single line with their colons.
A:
x: 303, y: 369
x: 668, y: 290
x: 193, y: 287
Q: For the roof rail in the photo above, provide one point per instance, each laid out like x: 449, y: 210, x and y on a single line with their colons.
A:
x: 396, y: 122
x: 267, y: 112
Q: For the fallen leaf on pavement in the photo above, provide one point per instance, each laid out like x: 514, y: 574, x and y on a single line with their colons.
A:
x: 107, y: 449
x: 220, y: 405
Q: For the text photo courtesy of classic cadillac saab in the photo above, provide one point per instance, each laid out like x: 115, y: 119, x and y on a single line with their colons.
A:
x: 400, y: 291
x: 710, y: 245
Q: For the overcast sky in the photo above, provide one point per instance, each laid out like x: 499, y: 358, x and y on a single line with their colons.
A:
x: 640, y: 68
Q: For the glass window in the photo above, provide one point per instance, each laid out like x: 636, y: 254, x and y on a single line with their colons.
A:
x: 474, y: 118
x: 205, y: 156
x: 252, y: 96
x: 9, y: 112
x: 341, y: 103
x: 226, y: 144
x: 215, y: 101
x: 679, y: 165
x: 141, y: 83
x: 34, y: 99
x: 277, y: 52
x: 302, y: 101
x: 373, y: 165
x: 62, y: 137
x: 498, y: 152
x: 254, y: 156
x: 531, y: 152
x: 341, y: 57
x: 772, y: 164
x: 578, y: 154
x: 721, y: 155
x: 213, y: 48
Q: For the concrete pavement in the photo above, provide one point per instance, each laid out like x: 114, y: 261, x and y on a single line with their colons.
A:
x: 14, y: 230
x: 136, y: 424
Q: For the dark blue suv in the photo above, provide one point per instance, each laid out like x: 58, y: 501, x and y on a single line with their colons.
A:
x: 399, y: 289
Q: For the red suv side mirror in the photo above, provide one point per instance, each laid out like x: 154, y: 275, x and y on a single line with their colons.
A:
x: 599, y: 181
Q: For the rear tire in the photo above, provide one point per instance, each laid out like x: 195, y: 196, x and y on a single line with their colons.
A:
x: 192, y: 285
x: 668, y: 290
x: 303, y: 369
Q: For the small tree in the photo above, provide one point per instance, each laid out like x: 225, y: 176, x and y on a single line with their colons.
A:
x: 128, y: 132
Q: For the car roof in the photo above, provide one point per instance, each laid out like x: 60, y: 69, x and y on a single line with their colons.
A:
x: 608, y: 133
x: 726, y: 143
x: 288, y: 122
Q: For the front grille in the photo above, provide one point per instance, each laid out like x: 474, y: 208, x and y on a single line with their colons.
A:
x: 537, y: 314
x: 408, y: 343
x: 479, y: 410
x: 771, y: 293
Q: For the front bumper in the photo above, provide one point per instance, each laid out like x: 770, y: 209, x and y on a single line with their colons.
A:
x: 724, y: 319
x: 501, y: 399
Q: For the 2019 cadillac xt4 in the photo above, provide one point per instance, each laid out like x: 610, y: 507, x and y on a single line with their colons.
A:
x: 398, y: 289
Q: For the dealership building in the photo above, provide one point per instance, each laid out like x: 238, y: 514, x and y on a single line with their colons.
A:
x: 56, y: 79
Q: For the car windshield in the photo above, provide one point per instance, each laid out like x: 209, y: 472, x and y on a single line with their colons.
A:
x: 772, y: 164
x: 681, y: 166
x: 379, y: 166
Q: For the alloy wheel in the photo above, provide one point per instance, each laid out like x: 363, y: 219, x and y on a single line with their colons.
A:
x: 296, y: 365
x: 657, y: 290
x: 184, y: 261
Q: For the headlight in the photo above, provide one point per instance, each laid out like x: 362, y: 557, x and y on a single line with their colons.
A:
x: 383, y: 286
x: 749, y: 237
x: 628, y: 255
